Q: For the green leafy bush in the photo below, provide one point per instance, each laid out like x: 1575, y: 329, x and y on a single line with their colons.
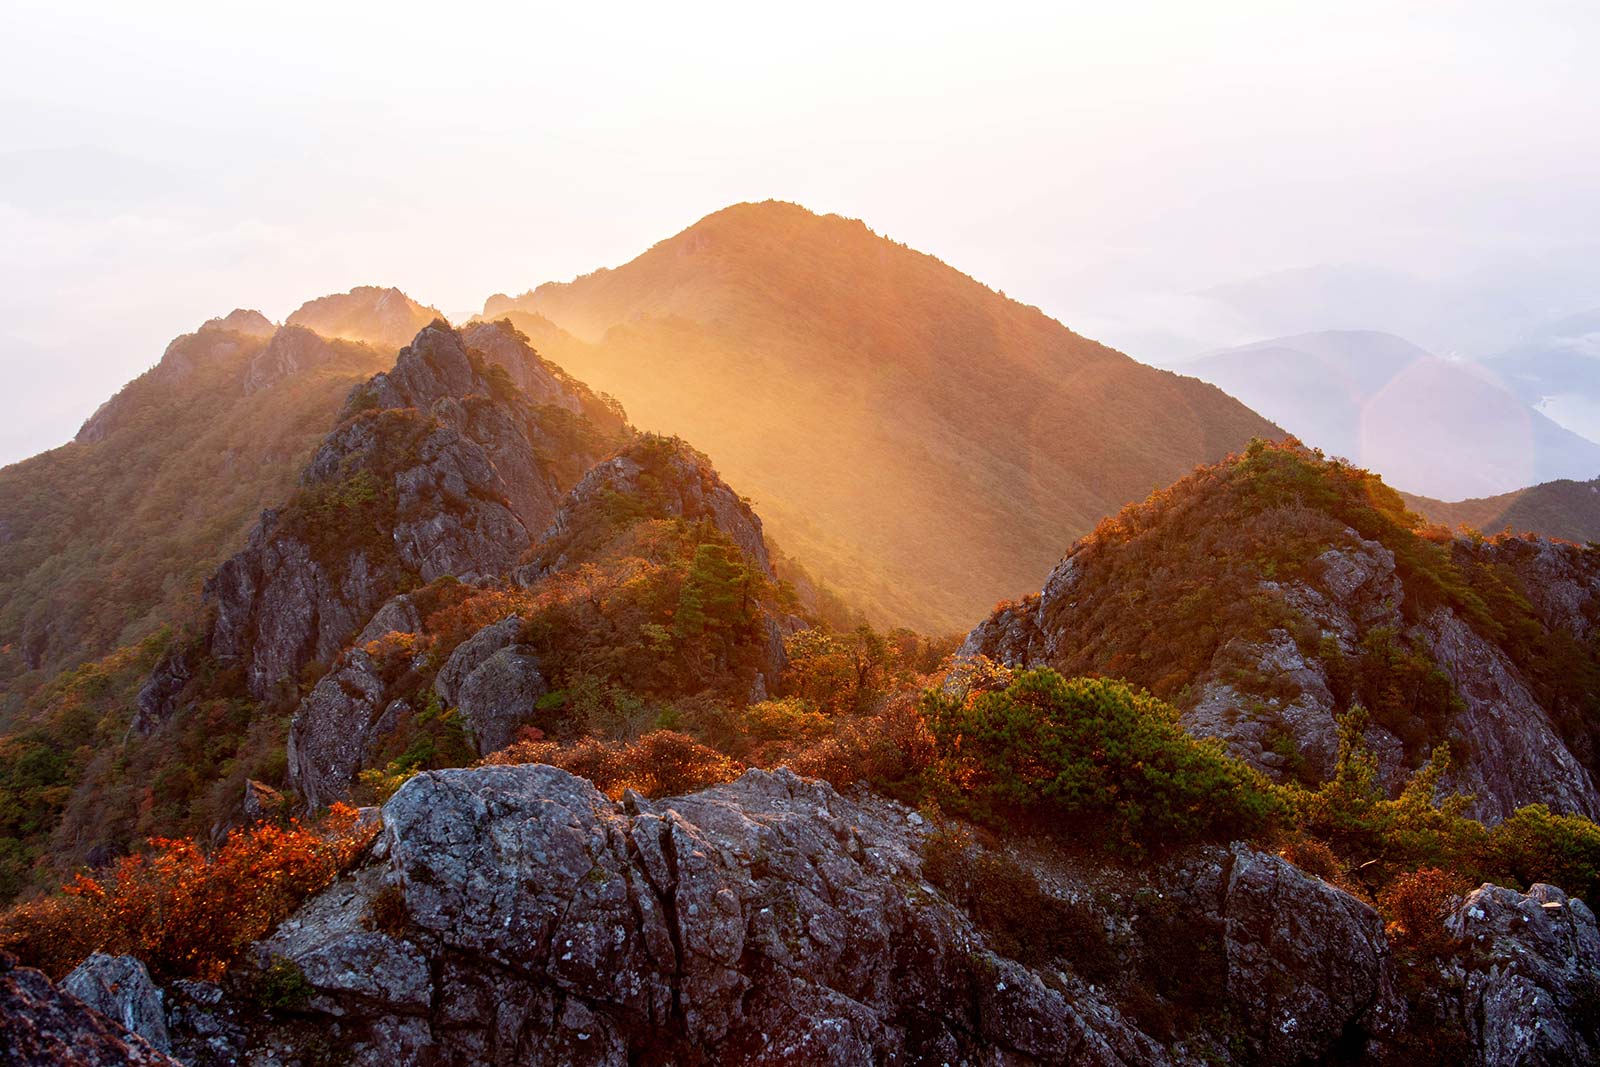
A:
x: 1094, y: 757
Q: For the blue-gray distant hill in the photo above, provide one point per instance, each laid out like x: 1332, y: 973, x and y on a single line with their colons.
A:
x: 1445, y: 428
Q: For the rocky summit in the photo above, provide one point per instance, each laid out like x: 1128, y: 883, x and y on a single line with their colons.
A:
x: 515, y: 915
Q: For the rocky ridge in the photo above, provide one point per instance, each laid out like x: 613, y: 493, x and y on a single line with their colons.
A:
x: 494, y: 678
x: 1508, y: 751
x: 514, y: 915
x: 433, y: 470
x: 384, y: 317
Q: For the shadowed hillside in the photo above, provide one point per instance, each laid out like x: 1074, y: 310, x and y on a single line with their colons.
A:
x: 920, y: 439
x: 1566, y: 509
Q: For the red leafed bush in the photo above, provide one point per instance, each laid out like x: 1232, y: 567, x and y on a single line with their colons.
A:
x: 183, y: 912
x: 662, y: 763
x: 1416, y: 905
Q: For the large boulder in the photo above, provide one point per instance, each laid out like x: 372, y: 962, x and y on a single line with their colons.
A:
x: 1530, y: 976
x: 493, y: 681
x: 42, y: 1026
x: 120, y: 988
x: 1306, y: 962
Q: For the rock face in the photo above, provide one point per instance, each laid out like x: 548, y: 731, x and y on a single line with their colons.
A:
x: 493, y: 681
x: 1537, y: 1003
x: 668, y: 479
x: 766, y: 921
x: 334, y: 728
x: 543, y: 382
x: 42, y: 1026
x: 119, y: 988
x: 433, y: 471
x: 291, y: 350
x: 1272, y: 696
x: 513, y: 915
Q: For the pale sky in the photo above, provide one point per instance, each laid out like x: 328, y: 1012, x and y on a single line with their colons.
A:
x: 161, y: 163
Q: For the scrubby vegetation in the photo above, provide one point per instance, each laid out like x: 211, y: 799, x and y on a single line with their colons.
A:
x: 1090, y: 757
x: 184, y: 912
x: 661, y: 763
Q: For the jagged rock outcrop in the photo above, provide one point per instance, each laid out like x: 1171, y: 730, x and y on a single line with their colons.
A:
x: 291, y: 350
x: 514, y: 915
x: 242, y: 320
x: 120, y: 988
x: 433, y: 471
x: 42, y: 1026
x: 767, y: 921
x: 1530, y: 981
x: 493, y: 680
x: 543, y: 382
x: 667, y: 479
x: 1268, y: 696
x: 387, y: 318
x: 335, y: 727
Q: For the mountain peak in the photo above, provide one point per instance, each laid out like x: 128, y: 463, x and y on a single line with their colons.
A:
x: 242, y: 320
x: 385, y: 317
x: 792, y: 346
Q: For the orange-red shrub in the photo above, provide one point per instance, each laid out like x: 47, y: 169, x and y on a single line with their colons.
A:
x: 1415, y: 905
x: 181, y: 911
x: 892, y: 750
x: 662, y: 763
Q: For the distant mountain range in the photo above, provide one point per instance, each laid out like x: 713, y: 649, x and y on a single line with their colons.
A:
x: 917, y: 437
x: 1556, y: 368
x: 1446, y: 428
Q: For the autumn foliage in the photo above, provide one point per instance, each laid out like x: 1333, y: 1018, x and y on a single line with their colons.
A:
x: 661, y: 763
x: 184, y: 912
x: 1416, y: 904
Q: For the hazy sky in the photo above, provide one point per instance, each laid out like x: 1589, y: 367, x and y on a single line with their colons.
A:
x: 162, y: 163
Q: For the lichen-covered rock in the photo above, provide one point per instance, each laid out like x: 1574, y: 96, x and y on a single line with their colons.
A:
x: 514, y: 915
x: 120, y: 988
x: 531, y: 920
x: 470, y: 654
x: 1531, y: 978
x: 494, y: 682
x: 1305, y: 960
x: 333, y: 728
x: 42, y: 1026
